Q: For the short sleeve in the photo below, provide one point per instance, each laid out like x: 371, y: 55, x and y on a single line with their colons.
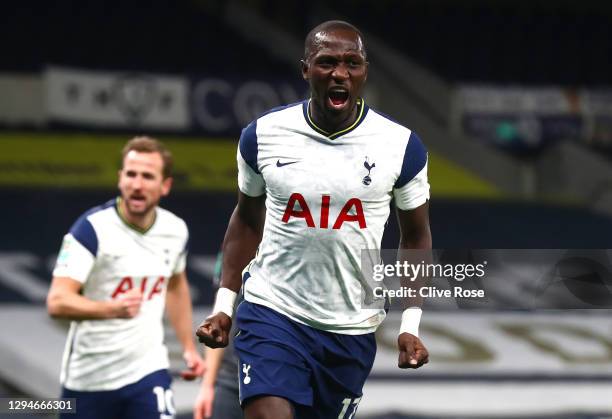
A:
x: 74, y: 260
x: 181, y: 260
x: 411, y: 189
x: 250, y: 180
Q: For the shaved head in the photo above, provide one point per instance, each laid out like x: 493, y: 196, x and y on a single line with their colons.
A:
x: 316, y: 35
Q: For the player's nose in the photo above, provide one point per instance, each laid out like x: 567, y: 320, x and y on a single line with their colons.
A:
x: 137, y: 182
x: 340, y: 72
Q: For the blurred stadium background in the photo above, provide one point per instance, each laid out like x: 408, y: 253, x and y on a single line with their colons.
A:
x: 512, y: 98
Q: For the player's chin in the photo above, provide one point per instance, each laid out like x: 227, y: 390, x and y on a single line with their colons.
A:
x: 138, y: 207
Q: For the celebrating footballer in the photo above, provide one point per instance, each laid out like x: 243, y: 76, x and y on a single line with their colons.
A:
x: 316, y: 180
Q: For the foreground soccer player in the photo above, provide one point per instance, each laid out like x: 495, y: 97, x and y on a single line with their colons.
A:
x: 119, y: 265
x: 316, y: 180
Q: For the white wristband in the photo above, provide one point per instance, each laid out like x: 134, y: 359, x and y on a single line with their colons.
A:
x: 225, y: 301
x: 411, y: 317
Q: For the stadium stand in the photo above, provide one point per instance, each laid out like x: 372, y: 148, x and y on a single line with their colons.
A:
x: 156, y: 36
x: 502, y: 42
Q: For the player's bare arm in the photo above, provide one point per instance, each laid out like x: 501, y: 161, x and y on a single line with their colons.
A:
x: 414, y: 234
x: 178, y: 307
x: 65, y: 301
x: 203, y: 405
x: 241, y: 240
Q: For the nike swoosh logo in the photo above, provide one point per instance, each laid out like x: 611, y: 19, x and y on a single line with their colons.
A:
x: 279, y: 164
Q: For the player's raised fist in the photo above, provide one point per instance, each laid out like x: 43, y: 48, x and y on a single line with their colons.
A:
x: 214, y: 330
x: 412, y: 352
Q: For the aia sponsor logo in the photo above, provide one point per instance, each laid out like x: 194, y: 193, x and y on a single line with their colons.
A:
x: 351, y: 212
x: 127, y: 283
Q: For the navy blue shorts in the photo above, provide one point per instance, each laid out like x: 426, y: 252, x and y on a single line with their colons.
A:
x: 149, y: 398
x: 321, y: 373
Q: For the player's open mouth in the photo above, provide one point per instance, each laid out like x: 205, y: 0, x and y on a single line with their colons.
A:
x: 338, y: 98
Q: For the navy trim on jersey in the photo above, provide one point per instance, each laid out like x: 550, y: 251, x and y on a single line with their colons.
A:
x: 248, y: 145
x: 415, y: 158
x: 83, y: 231
x: 362, y: 111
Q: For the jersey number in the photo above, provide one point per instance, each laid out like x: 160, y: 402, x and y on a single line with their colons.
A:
x: 165, y: 400
x: 353, y: 204
x: 346, y: 403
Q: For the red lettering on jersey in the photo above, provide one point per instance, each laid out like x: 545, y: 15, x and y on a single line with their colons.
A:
x: 346, y: 217
x: 325, y: 200
x: 157, y: 288
x: 124, y: 286
x: 143, y: 285
x: 304, y: 212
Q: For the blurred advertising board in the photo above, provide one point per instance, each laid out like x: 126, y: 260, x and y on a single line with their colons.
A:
x: 124, y: 100
x: 225, y: 106
x: 116, y: 100
x: 530, y: 117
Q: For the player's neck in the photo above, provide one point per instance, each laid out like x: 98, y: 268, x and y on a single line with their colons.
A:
x: 139, y: 222
x: 332, y: 122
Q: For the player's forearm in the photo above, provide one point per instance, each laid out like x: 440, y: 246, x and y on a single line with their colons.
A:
x: 76, y: 307
x: 418, y: 237
x: 414, y: 248
x: 241, y: 240
x: 213, y: 360
x: 179, y: 309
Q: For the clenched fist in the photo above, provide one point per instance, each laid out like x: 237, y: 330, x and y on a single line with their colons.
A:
x: 412, y: 352
x: 214, y: 331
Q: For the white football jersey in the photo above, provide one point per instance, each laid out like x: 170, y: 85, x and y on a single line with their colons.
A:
x: 110, y: 257
x: 327, y: 197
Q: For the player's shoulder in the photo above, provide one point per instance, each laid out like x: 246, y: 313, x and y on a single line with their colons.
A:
x: 283, y: 110
x: 87, y: 227
x: 171, y: 222
x: 383, y: 121
x: 96, y: 214
x: 395, y: 131
x: 276, y: 117
x: 277, y: 114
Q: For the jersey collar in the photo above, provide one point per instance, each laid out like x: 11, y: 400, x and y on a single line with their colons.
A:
x: 362, y: 111
x: 127, y: 223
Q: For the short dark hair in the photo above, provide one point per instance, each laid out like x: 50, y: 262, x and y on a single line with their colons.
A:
x: 144, y: 144
x: 329, y: 25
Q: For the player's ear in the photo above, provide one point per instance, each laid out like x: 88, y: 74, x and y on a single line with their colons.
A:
x: 304, y: 65
x: 166, y: 186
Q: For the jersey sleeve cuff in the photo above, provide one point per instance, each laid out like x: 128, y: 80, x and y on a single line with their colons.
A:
x: 413, y: 194
x: 250, y: 182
